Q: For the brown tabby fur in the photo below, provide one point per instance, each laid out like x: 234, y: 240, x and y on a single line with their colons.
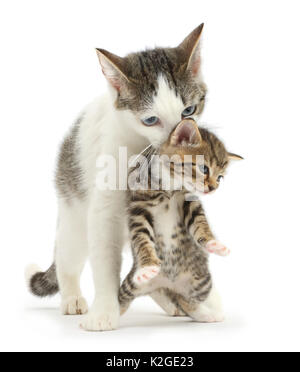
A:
x: 176, y: 250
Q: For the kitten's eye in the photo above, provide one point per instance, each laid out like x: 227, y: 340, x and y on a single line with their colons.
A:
x: 220, y: 178
x: 151, y: 121
x: 189, y: 111
x: 204, y: 169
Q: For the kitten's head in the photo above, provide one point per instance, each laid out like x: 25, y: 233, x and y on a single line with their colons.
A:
x: 157, y: 88
x: 186, y: 146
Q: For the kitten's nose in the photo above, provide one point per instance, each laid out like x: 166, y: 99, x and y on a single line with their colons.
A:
x: 211, y: 188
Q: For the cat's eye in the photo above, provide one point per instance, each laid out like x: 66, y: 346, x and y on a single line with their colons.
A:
x: 189, y: 111
x: 151, y: 121
x: 204, y: 169
x: 220, y: 178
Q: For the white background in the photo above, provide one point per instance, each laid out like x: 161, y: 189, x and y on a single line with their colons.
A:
x: 251, y: 61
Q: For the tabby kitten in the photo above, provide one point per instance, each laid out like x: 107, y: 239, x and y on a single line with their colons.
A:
x: 171, y: 237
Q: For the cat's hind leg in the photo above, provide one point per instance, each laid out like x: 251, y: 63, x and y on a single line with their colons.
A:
x: 70, y: 256
x: 132, y: 288
x: 126, y: 295
x: 128, y: 292
x: 207, y: 311
x: 168, y: 302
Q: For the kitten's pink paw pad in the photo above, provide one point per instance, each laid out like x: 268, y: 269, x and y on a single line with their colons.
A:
x: 145, y: 274
x: 218, y: 248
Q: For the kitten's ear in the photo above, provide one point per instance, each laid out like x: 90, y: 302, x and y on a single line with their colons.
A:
x: 113, y: 68
x: 186, y: 134
x: 190, y: 47
x: 232, y: 156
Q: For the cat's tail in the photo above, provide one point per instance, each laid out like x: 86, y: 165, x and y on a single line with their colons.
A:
x: 40, y: 283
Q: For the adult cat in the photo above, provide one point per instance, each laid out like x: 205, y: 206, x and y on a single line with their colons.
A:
x: 149, y: 94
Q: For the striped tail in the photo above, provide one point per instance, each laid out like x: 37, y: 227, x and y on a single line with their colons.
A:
x: 40, y: 283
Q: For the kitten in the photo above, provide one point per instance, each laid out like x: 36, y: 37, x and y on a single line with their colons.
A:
x: 171, y: 237
x: 149, y: 93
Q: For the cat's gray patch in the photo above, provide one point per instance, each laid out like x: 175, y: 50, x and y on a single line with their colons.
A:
x: 45, y: 284
x: 69, y: 174
x: 143, y: 70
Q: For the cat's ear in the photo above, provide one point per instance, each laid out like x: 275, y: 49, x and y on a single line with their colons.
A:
x: 190, y: 47
x: 114, y: 68
x: 186, y: 134
x: 232, y: 156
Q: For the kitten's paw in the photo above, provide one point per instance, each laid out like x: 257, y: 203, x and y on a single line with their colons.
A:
x: 74, y: 306
x: 211, y: 318
x: 123, y: 309
x: 178, y: 313
x: 172, y: 310
x: 145, y: 274
x: 206, y: 315
x: 103, y: 320
x: 213, y: 246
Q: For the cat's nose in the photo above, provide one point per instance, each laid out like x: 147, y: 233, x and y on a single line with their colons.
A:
x: 211, y: 188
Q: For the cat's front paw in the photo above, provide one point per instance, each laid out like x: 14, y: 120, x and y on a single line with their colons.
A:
x: 74, y: 305
x: 213, y: 246
x: 145, y: 274
x: 103, y: 319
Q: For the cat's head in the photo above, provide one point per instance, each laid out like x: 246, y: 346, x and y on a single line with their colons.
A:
x: 197, y: 156
x: 157, y: 88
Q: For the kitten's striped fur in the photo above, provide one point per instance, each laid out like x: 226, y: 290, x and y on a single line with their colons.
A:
x: 169, y: 235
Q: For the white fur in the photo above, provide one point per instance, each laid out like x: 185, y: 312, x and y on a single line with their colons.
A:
x: 95, y: 227
x: 74, y: 306
x: 71, y: 254
x: 166, y: 221
x: 164, y: 302
x: 168, y: 108
x: 209, y: 311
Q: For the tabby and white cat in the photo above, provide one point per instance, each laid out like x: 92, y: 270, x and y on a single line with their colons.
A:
x: 149, y: 94
x: 171, y: 237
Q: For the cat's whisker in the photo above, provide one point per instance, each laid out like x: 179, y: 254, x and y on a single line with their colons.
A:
x: 139, y: 155
x: 145, y: 163
x: 141, y: 164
